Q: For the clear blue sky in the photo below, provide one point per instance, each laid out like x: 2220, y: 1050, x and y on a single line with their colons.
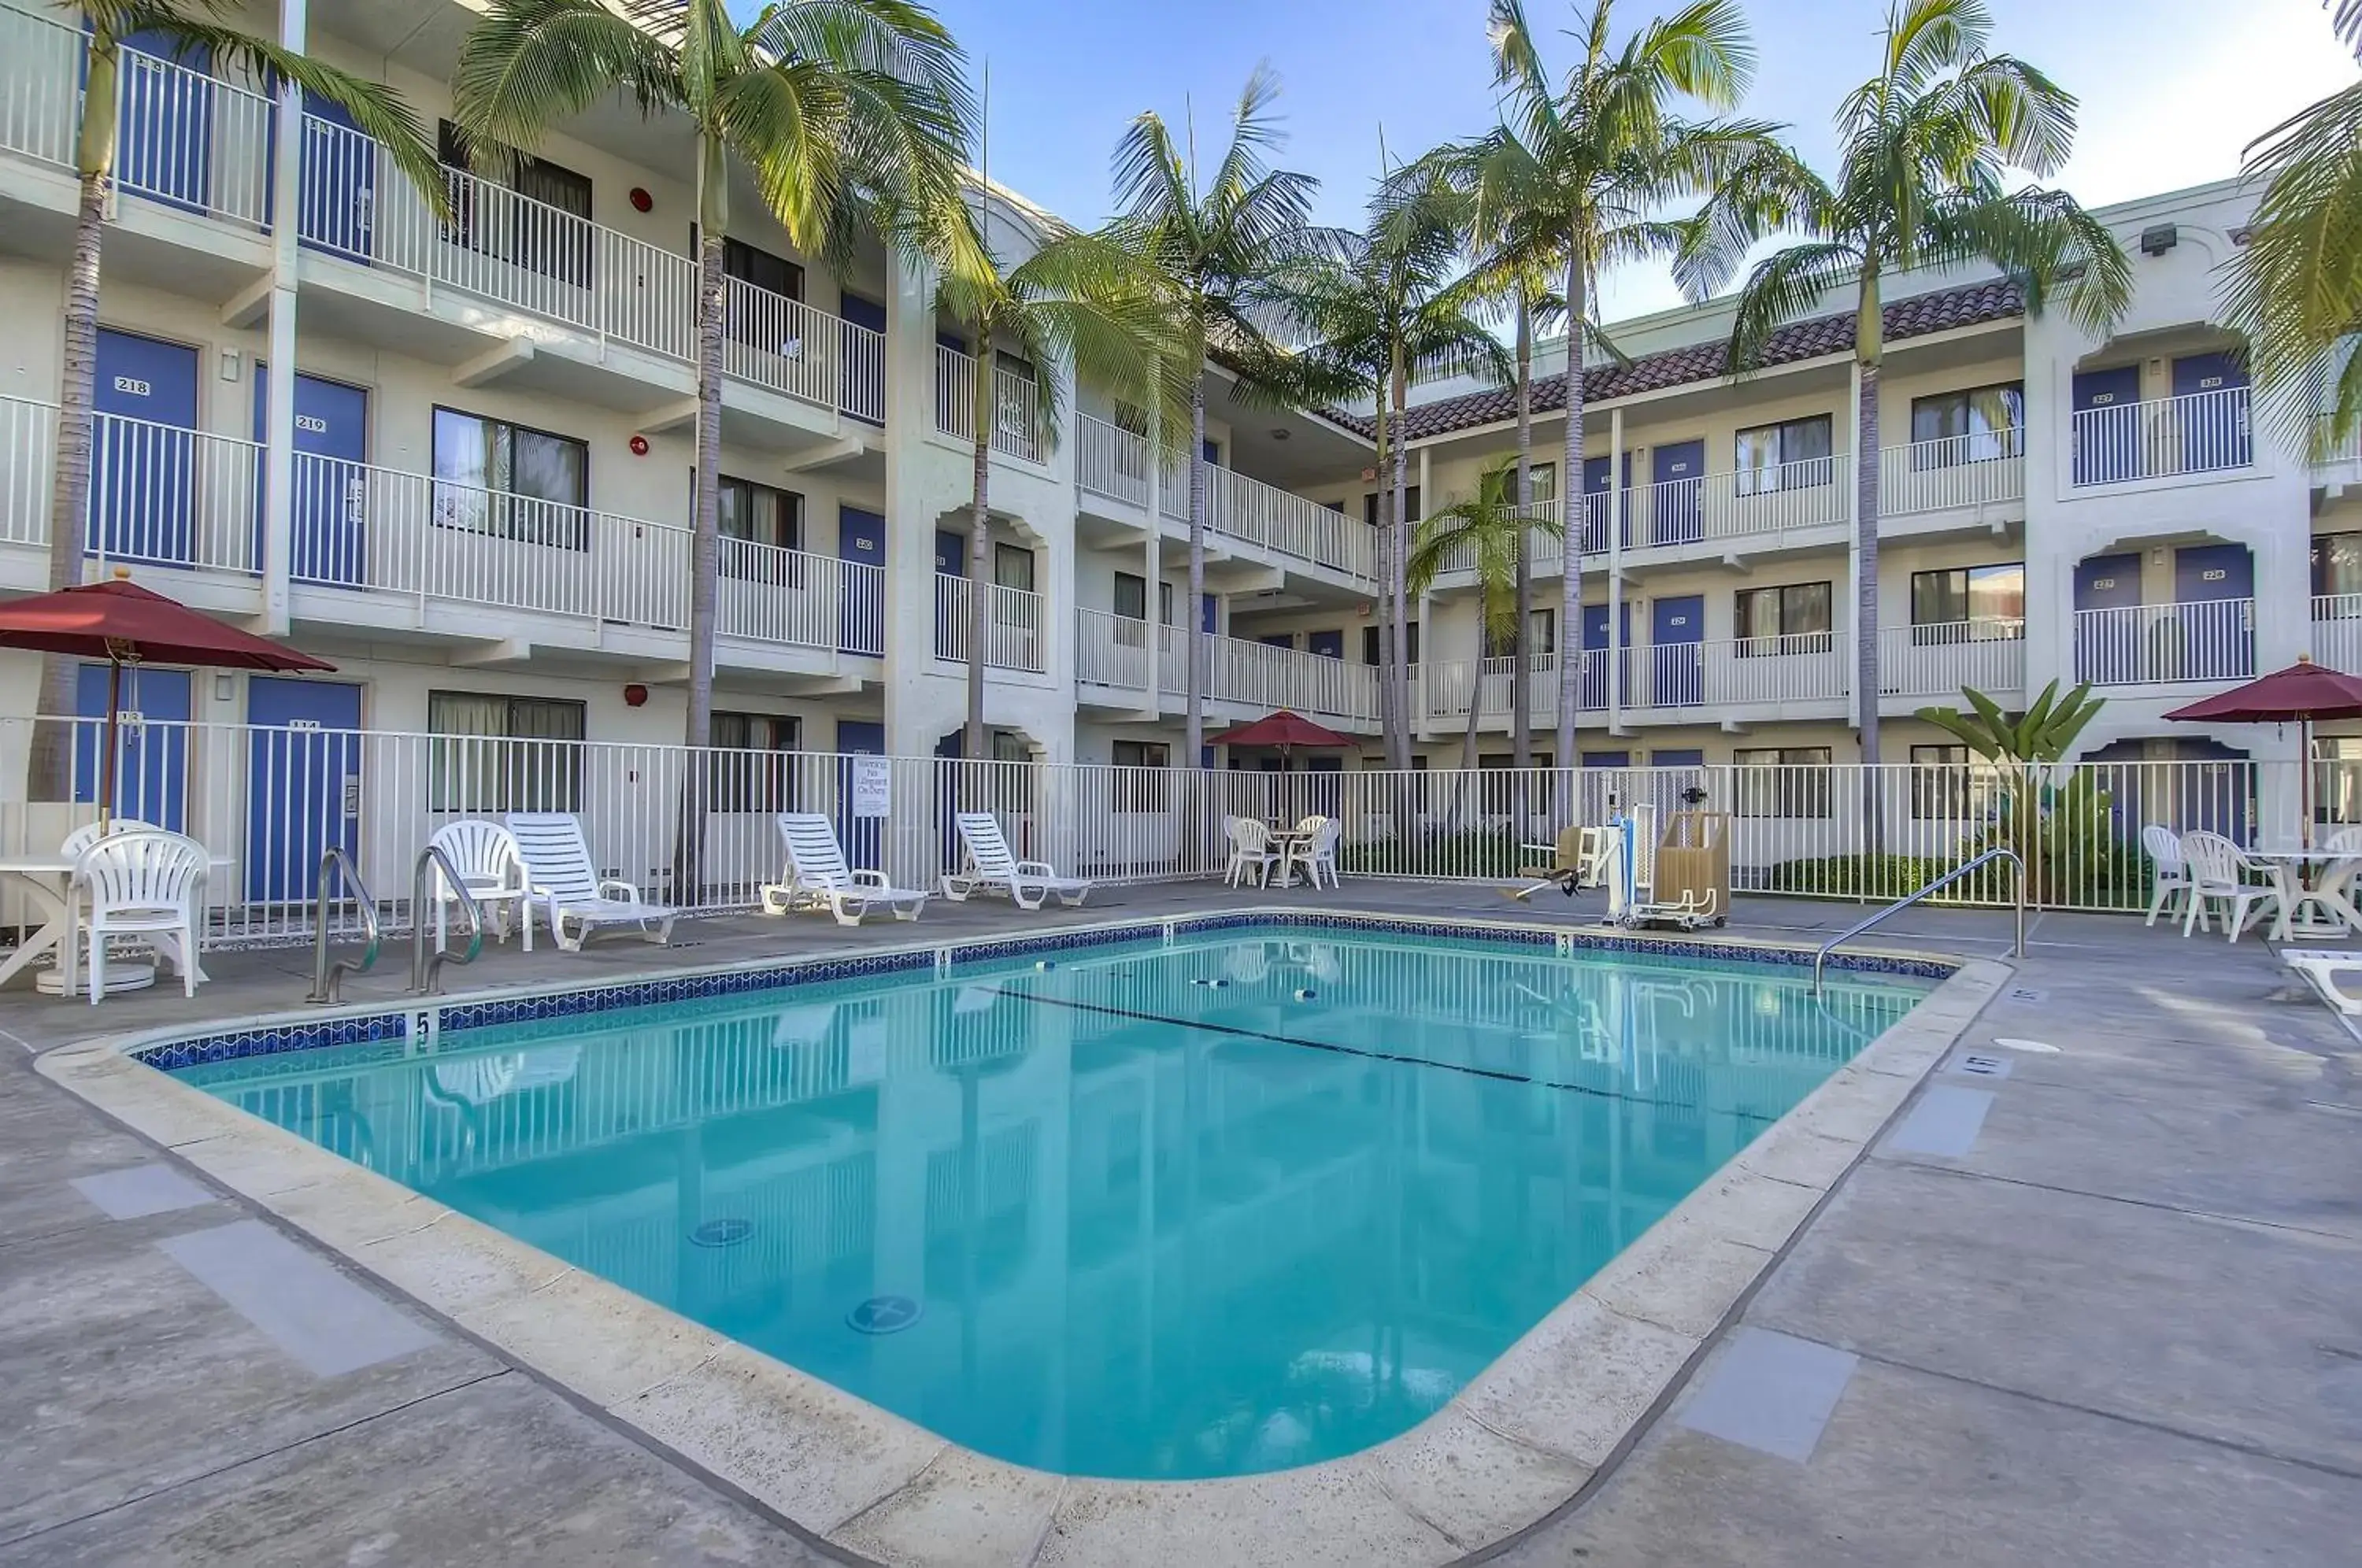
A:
x: 2170, y: 89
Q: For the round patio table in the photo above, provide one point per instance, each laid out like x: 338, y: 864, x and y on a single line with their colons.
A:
x: 2318, y: 909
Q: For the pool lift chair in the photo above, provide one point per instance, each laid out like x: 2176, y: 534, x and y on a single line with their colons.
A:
x: 1693, y: 857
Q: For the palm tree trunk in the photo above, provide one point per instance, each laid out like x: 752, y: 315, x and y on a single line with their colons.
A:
x: 1522, y: 682
x: 1192, y: 614
x: 1570, y: 615
x: 705, y: 527
x: 50, y: 768
x: 1868, y: 345
x: 1397, y: 586
x: 1392, y: 716
x: 984, y: 407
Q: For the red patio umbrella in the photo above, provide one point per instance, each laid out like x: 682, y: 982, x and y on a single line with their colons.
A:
x: 123, y: 623
x: 2303, y: 692
x: 1285, y: 730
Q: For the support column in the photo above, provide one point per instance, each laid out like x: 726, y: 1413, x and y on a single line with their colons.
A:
x: 1853, y: 642
x: 1615, y: 487
x: 1415, y: 703
x: 1153, y: 553
x: 279, y: 434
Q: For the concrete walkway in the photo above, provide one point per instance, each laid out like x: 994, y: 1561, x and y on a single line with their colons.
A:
x: 2108, y: 1309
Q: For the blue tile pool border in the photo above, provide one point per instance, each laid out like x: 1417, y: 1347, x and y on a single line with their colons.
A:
x: 398, y: 1024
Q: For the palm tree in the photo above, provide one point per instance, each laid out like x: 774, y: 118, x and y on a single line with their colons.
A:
x: 1373, y: 308
x: 1608, y: 153
x: 1081, y: 300
x: 1492, y: 530
x: 1217, y: 247
x: 848, y: 113
x: 2295, y: 289
x: 1923, y: 149
x: 187, y: 27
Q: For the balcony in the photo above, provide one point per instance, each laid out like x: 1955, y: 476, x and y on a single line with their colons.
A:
x: 1013, y: 625
x: 2199, y: 433
x: 2336, y: 630
x: 1240, y: 512
x: 382, y: 547
x: 1112, y: 659
x: 1015, y: 413
x: 1802, y: 675
x: 2164, y: 645
x: 1933, y: 662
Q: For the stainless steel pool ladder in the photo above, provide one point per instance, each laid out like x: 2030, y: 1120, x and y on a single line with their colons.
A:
x: 426, y: 967
x: 1954, y: 875
x: 328, y: 980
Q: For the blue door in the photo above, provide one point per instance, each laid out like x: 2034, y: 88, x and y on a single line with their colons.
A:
x: 1676, y: 757
x: 302, y: 783
x: 1208, y: 612
x: 2216, y: 639
x: 1607, y: 759
x: 331, y: 482
x: 2107, y: 648
x: 1594, y: 692
x: 336, y: 199
x: 864, y: 359
x: 1678, y: 469
x: 861, y: 608
x: 164, y: 121
x: 2212, y: 425
x: 950, y: 553
x: 1595, y: 477
x: 151, y: 764
x: 2107, y: 425
x: 1277, y: 639
x: 1328, y: 645
x: 1676, y: 627
x: 856, y: 737
x: 143, y: 460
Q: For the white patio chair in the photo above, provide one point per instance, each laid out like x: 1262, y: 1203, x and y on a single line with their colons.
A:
x: 558, y: 875
x: 818, y: 878
x: 491, y: 868
x: 2318, y: 965
x: 146, y: 882
x: 83, y: 837
x: 1251, y: 852
x: 1313, y: 850
x: 992, y: 869
x: 2171, y: 872
x: 2220, y: 873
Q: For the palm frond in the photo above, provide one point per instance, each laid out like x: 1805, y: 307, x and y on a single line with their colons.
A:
x: 1784, y: 286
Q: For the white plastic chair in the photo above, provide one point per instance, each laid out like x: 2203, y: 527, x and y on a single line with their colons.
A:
x: 144, y: 882
x: 492, y: 869
x: 2219, y: 872
x: 558, y: 874
x: 1251, y: 852
x: 83, y: 837
x: 817, y: 876
x: 992, y: 869
x: 2319, y: 964
x: 2172, y: 873
x: 1313, y: 850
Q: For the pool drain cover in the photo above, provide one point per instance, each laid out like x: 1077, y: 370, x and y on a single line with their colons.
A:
x: 721, y: 1232
x: 883, y: 1314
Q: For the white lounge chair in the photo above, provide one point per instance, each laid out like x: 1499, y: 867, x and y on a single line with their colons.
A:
x: 492, y: 868
x: 559, y: 877
x: 992, y: 869
x: 2171, y: 872
x: 2219, y: 874
x: 2318, y: 964
x: 144, y: 882
x: 1251, y: 852
x: 817, y: 876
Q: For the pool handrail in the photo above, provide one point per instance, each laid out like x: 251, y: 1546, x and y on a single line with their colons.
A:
x: 1954, y: 875
x: 426, y: 967
x: 328, y: 980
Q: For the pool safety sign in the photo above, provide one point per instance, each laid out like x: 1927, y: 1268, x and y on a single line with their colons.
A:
x: 872, y: 786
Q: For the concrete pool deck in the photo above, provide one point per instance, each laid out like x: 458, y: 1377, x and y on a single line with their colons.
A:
x: 1947, y: 1314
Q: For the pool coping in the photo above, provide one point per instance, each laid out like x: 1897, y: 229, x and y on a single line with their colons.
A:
x: 1511, y: 1446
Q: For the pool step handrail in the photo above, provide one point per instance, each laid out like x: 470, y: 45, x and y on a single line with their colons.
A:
x: 328, y: 980
x: 425, y: 969
x: 1954, y: 875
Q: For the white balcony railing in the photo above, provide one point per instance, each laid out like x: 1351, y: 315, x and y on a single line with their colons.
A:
x: 2153, y: 643
x: 1012, y: 623
x: 1449, y: 685
x: 1938, y: 660
x: 1808, y: 667
x: 1111, y: 651
x: 2205, y: 432
x: 2337, y: 630
x: 41, y: 86
x: 1014, y: 422
x: 1955, y: 473
x: 167, y: 496
x: 1110, y: 460
x: 28, y: 451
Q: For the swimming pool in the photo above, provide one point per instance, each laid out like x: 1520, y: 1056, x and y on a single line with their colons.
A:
x: 1182, y: 1206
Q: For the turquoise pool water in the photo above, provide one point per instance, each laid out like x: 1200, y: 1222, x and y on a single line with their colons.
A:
x: 1257, y: 1199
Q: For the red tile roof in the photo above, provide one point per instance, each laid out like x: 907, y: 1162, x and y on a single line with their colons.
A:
x: 1810, y: 339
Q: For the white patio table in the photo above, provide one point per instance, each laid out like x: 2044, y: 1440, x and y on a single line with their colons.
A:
x: 2319, y: 907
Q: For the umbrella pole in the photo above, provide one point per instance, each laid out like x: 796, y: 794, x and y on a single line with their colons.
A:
x: 107, y: 741
x: 2304, y: 781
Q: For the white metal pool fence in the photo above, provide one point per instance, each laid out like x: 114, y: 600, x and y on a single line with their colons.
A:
x: 267, y: 800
